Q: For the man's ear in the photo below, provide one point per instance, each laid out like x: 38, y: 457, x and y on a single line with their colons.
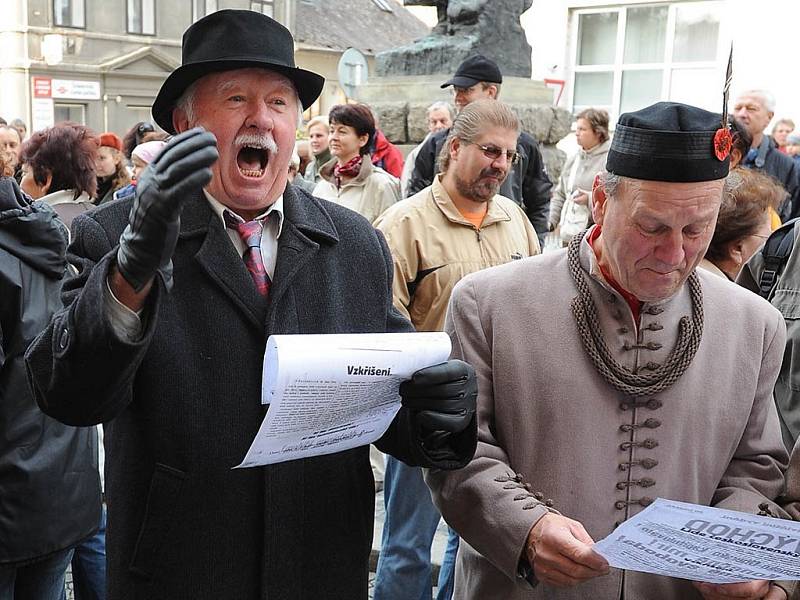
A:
x: 454, y: 146
x: 179, y: 120
x: 492, y: 90
x: 599, y: 200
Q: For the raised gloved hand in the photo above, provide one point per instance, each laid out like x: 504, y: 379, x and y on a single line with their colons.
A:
x: 148, y: 242
x: 441, y: 401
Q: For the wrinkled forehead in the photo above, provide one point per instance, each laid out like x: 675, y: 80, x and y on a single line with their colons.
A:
x: 9, y: 134
x: 751, y: 100
x: 240, y: 78
x: 668, y: 196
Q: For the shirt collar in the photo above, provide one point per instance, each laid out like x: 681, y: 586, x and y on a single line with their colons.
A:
x: 219, y: 209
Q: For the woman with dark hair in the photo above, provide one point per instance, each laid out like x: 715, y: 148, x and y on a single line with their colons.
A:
x: 111, y: 167
x: 348, y: 179
x: 58, y: 167
x: 570, y: 210
x: 743, y: 224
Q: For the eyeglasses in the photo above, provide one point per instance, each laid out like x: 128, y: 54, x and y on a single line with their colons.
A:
x: 462, y: 90
x: 493, y: 152
x: 145, y: 128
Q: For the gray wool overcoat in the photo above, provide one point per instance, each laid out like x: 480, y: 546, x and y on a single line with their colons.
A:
x: 182, y: 406
x: 545, y: 413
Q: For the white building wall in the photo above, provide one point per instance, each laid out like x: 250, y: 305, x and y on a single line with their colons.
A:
x: 763, y: 34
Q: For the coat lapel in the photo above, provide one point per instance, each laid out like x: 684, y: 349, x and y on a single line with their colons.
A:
x: 306, y: 225
x: 219, y: 259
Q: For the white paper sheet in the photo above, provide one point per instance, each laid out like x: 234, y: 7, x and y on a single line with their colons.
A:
x: 328, y: 393
x: 700, y: 543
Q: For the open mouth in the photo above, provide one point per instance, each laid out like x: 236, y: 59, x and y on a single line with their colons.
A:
x: 252, y: 161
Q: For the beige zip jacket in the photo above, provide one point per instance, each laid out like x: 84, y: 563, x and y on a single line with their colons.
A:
x: 434, y: 246
x: 369, y: 193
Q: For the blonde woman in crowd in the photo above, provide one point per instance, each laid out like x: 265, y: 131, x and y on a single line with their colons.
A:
x: 570, y: 210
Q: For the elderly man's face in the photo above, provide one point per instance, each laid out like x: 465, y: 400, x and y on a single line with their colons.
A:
x: 10, y: 143
x: 438, y: 119
x: 654, y: 233
x: 750, y: 110
x: 253, y: 114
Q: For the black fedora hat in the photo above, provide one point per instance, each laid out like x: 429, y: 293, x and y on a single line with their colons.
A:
x: 233, y: 39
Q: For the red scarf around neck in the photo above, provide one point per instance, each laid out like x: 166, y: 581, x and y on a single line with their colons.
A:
x: 349, y: 169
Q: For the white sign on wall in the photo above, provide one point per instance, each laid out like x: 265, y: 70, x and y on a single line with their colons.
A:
x: 75, y: 89
x: 43, y: 113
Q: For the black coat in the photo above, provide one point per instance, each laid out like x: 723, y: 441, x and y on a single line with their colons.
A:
x: 185, y: 404
x: 49, y: 483
x: 527, y: 184
x: 782, y: 168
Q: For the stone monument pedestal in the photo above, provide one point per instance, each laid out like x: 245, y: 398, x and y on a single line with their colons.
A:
x: 401, y: 104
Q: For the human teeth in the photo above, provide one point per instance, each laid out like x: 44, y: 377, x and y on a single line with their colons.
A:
x: 252, y: 172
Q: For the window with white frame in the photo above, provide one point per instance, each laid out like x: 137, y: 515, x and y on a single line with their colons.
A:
x: 142, y: 16
x: 265, y: 7
x: 69, y: 13
x: 65, y: 111
x: 626, y: 58
x: 201, y: 8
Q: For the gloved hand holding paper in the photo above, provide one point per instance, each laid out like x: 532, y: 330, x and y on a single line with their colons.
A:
x: 329, y: 393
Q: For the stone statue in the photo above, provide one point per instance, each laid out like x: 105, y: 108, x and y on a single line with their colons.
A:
x: 465, y: 27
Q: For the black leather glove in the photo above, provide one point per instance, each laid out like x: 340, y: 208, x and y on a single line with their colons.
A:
x: 441, y: 401
x: 148, y: 242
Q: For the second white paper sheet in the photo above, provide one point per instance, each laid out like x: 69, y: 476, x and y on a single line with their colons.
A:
x: 701, y: 543
x: 329, y: 393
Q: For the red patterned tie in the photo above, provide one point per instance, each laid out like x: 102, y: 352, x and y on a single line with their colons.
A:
x: 250, y: 232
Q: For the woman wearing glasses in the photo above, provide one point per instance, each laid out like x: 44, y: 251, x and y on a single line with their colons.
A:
x: 350, y: 179
x: 570, y: 210
x: 743, y: 224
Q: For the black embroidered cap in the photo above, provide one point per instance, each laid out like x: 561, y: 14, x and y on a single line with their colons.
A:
x: 668, y: 141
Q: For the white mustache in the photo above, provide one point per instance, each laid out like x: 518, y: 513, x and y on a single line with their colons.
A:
x: 257, y: 140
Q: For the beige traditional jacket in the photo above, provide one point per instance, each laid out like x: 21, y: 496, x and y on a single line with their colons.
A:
x: 546, y: 414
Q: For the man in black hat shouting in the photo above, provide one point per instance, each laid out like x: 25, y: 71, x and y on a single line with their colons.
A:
x: 479, y: 78
x: 626, y: 378
x: 164, y: 331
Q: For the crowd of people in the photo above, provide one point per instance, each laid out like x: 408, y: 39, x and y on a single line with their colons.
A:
x: 142, y: 274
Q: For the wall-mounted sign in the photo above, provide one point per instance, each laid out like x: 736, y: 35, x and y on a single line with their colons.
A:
x: 76, y: 89
x: 42, y: 113
x: 42, y: 87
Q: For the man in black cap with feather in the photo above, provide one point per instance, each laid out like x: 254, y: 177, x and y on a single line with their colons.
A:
x: 630, y: 376
x: 164, y: 330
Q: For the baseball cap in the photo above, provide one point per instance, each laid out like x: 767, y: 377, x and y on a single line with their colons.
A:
x: 474, y: 70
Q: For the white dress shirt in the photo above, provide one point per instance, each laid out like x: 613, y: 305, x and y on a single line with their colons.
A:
x: 127, y: 324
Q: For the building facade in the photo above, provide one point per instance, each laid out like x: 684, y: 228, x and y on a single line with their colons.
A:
x: 101, y: 62
x: 624, y: 55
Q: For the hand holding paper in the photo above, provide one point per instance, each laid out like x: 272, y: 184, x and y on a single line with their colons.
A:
x: 560, y: 552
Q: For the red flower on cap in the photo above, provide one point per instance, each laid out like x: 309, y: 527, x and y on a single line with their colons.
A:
x: 723, y: 142
x: 111, y: 140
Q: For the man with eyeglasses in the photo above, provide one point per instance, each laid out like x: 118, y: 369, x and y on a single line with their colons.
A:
x: 457, y: 225
x: 527, y: 184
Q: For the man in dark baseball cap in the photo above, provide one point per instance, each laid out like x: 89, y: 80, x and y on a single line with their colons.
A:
x: 476, y: 78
